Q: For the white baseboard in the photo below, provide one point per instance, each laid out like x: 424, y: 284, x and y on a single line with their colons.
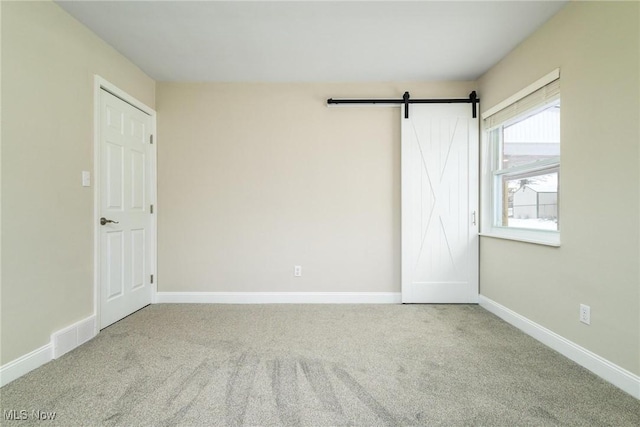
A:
x: 25, y: 364
x: 600, y: 366
x: 67, y: 339
x: 280, y: 297
x: 62, y: 342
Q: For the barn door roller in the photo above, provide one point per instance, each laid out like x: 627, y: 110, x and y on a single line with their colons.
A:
x: 406, y: 100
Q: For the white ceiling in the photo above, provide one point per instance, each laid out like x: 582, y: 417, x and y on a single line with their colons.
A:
x: 313, y: 41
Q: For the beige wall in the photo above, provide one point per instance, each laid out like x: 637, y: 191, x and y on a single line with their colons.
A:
x: 257, y: 178
x: 48, y: 64
x: 597, y: 47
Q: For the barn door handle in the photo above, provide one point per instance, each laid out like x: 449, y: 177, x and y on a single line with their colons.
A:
x: 105, y: 221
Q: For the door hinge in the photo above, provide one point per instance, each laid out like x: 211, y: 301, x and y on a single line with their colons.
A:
x: 152, y: 278
x: 151, y: 208
x: 150, y: 139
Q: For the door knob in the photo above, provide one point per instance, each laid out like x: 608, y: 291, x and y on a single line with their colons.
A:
x: 105, y: 221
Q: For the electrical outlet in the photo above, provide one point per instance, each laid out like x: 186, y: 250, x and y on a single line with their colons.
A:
x: 297, y: 270
x: 585, y: 314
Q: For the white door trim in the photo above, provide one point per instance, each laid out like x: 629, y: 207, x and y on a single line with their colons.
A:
x: 98, y: 85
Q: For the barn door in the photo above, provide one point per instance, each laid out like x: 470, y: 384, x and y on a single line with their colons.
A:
x: 439, y: 204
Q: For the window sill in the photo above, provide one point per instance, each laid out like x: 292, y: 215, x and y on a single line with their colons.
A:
x: 526, y: 236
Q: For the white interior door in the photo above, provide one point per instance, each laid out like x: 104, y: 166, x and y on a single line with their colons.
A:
x: 125, y: 191
x: 439, y: 204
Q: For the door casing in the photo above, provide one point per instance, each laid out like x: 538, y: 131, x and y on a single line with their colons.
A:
x: 102, y: 84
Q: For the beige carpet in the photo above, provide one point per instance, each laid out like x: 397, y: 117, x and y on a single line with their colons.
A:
x: 313, y: 365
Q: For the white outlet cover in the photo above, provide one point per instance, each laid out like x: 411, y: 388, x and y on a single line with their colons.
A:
x: 585, y: 314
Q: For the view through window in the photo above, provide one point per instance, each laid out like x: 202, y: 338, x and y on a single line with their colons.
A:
x: 528, y: 169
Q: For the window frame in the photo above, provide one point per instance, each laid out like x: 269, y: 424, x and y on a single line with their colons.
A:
x: 493, y: 171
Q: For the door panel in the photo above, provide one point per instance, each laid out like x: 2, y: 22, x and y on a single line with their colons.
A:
x: 114, y: 176
x: 439, y: 197
x: 137, y: 180
x: 137, y: 258
x: 114, y: 256
x: 125, y: 264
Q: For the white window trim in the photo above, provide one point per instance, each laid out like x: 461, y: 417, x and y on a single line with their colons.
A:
x: 488, y: 205
x: 539, y: 237
x: 538, y: 84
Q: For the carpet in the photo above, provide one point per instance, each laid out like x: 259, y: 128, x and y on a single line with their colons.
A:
x: 315, y: 365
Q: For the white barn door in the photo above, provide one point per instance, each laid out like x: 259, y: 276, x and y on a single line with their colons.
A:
x: 439, y: 204
x: 126, y: 234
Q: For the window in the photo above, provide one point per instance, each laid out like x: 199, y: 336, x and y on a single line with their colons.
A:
x: 521, y: 172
